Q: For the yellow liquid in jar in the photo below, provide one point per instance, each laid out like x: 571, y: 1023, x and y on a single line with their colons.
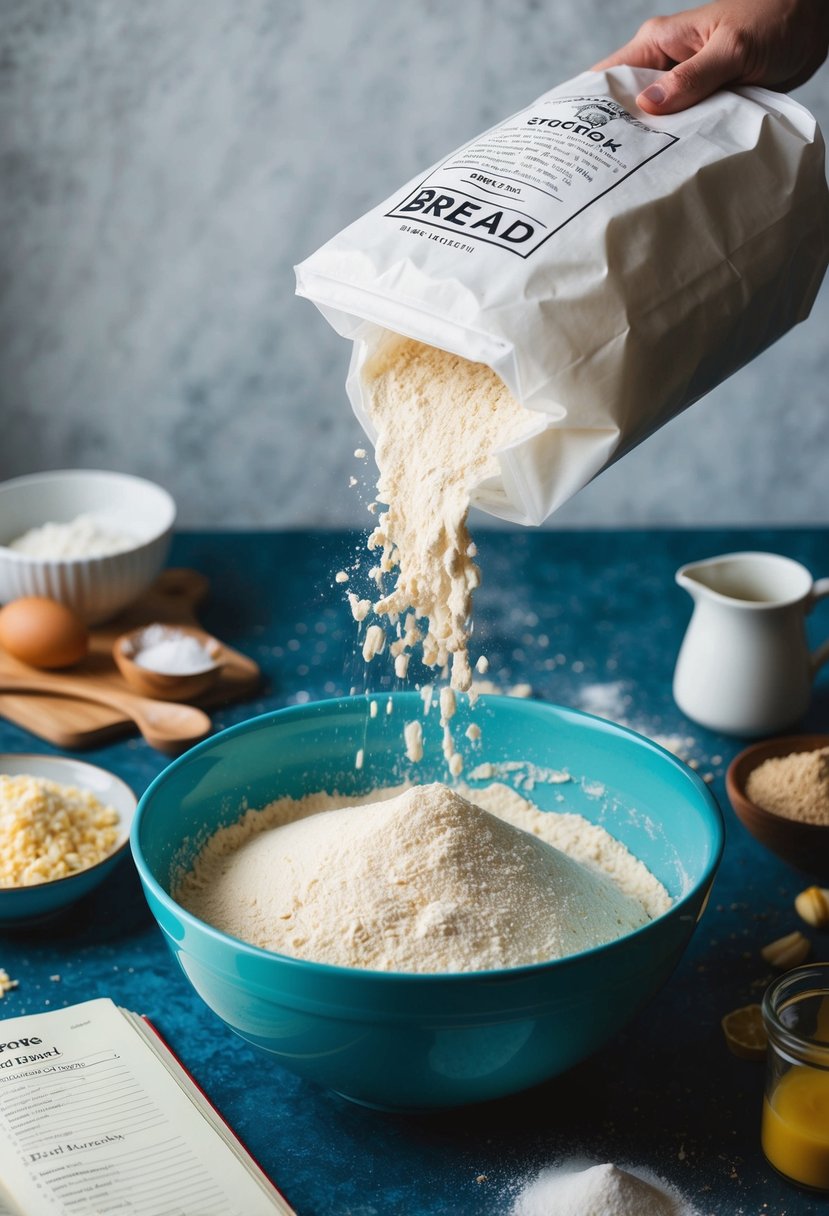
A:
x: 795, y: 1129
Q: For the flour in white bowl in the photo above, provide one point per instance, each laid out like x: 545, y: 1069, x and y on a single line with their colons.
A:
x: 421, y: 879
x: 84, y: 536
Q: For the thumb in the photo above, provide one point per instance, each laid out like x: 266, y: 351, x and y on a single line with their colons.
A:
x: 691, y: 81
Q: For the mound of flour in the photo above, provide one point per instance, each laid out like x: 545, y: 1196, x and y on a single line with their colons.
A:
x: 423, y: 881
x: 601, y: 1190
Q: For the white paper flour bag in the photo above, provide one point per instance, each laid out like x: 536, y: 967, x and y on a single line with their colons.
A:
x: 611, y: 267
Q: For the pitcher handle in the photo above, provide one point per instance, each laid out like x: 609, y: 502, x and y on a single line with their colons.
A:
x: 820, y: 589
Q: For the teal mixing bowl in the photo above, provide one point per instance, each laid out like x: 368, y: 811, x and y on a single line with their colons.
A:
x: 422, y: 1041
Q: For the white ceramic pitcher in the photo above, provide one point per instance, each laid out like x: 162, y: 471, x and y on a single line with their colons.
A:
x: 744, y: 667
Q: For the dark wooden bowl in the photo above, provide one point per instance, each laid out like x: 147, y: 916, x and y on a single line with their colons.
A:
x: 804, y: 845
x: 161, y: 685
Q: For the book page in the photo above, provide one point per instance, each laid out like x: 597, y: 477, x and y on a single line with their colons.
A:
x: 165, y: 1054
x: 92, y: 1122
x: 6, y: 1208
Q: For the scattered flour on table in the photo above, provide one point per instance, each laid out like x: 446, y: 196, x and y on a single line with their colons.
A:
x: 599, y: 1190
x: 419, y: 879
x: 609, y: 700
x: 614, y: 701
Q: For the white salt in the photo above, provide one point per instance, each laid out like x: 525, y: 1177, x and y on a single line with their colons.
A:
x: 171, y: 652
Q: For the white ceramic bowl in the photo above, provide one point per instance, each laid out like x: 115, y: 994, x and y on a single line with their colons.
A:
x: 22, y: 905
x: 95, y: 587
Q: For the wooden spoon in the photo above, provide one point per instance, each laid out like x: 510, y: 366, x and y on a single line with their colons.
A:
x: 165, y: 725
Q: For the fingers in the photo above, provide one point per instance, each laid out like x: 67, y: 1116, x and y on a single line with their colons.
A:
x: 636, y: 54
x: 776, y: 43
x: 691, y: 81
x: 643, y: 51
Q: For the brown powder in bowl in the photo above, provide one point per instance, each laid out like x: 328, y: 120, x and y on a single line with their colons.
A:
x: 794, y: 786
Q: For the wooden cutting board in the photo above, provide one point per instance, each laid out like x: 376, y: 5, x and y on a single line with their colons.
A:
x: 73, y: 724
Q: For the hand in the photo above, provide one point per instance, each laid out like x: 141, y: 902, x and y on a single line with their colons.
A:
x: 775, y: 43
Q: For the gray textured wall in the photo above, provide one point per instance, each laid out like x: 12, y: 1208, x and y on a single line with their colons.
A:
x: 164, y: 165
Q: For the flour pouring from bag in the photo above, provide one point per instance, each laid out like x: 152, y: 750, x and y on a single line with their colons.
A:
x: 610, y: 267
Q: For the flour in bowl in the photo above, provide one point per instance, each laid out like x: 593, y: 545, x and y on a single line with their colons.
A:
x: 422, y: 879
x: 84, y: 536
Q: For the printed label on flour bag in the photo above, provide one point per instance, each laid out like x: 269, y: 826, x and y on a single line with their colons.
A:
x: 610, y: 267
x: 521, y: 182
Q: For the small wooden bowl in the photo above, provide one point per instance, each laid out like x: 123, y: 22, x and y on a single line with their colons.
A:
x: 803, y: 845
x: 162, y: 685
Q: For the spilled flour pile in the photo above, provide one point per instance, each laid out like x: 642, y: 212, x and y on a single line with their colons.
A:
x: 601, y: 1190
x: 421, y: 880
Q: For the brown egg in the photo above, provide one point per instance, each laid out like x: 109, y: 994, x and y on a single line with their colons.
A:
x: 42, y: 632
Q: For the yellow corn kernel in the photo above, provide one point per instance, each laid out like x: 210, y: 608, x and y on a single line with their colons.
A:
x: 788, y: 951
x: 813, y: 906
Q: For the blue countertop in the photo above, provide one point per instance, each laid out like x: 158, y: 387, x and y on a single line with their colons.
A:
x: 589, y: 619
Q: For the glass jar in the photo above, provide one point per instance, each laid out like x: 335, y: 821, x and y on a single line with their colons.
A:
x: 795, y: 1126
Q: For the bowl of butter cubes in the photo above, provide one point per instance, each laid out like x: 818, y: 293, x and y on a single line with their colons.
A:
x: 64, y: 826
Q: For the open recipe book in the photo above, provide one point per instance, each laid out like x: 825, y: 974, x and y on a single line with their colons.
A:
x: 97, y: 1115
